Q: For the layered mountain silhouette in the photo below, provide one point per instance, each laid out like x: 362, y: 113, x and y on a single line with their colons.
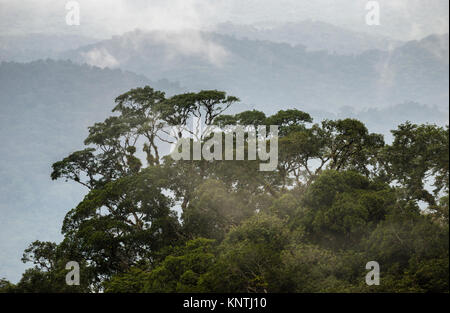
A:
x: 275, y: 75
x: 314, y: 35
x: 31, y: 47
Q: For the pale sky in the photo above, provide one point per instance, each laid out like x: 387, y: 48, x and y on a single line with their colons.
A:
x: 401, y: 19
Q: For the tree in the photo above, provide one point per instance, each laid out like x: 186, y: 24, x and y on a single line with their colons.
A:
x: 251, y: 254
x: 126, y: 221
x: 49, y: 271
x: 413, y: 249
x: 289, y: 121
x: 181, y: 271
x: 419, y: 154
x: 349, y: 145
x: 343, y: 207
x: 213, y: 211
x: 338, y: 198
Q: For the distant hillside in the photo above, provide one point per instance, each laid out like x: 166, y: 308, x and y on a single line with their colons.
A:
x: 313, y: 35
x: 435, y: 45
x: 31, y: 47
x: 273, y: 75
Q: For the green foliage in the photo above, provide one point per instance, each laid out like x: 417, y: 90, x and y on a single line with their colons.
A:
x: 49, y: 273
x: 181, y: 271
x: 343, y: 207
x: 339, y: 198
x: 6, y: 286
x: 289, y: 120
x: 213, y: 211
x: 250, y: 255
x: 418, y: 153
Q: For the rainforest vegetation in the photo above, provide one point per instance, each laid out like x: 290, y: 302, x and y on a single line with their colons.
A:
x: 340, y: 197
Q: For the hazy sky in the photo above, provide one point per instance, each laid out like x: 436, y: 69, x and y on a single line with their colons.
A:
x: 402, y: 19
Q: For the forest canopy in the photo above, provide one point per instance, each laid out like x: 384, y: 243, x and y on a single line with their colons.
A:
x: 339, y: 198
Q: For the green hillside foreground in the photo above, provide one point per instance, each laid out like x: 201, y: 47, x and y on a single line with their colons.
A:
x: 339, y: 198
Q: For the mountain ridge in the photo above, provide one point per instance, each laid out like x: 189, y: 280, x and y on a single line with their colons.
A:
x: 276, y: 74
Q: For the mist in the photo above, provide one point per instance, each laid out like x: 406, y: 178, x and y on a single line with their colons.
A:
x: 400, y: 19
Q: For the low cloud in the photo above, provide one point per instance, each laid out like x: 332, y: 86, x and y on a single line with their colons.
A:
x: 192, y: 43
x: 100, y: 57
